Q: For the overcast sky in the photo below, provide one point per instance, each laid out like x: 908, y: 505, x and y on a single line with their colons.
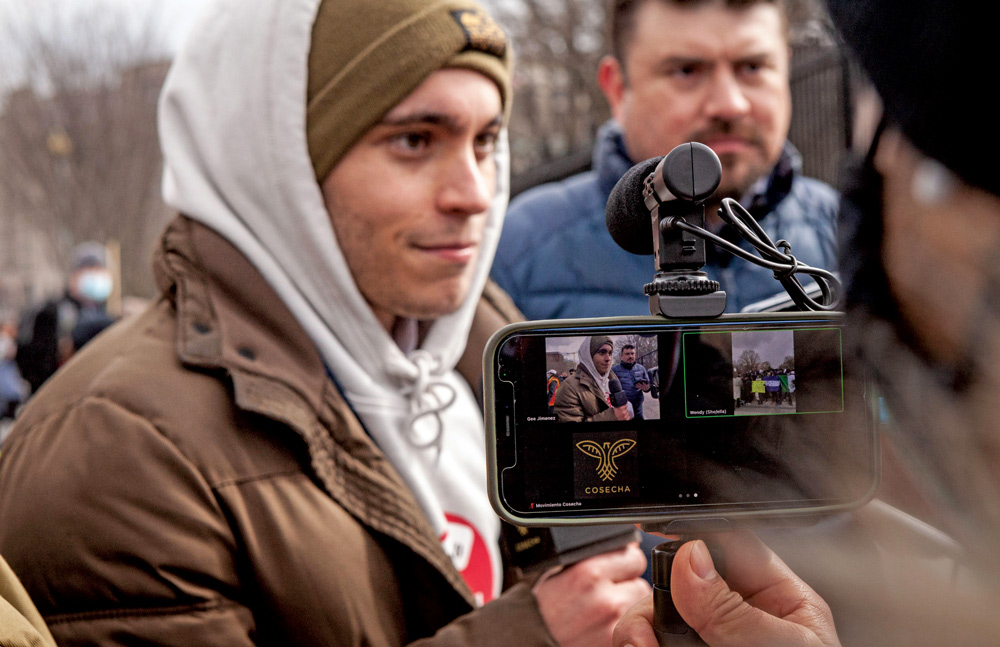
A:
x: 168, y: 22
x: 174, y: 15
x: 773, y: 346
x: 565, y: 345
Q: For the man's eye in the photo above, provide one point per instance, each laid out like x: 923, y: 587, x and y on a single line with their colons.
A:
x: 485, y: 143
x: 686, y: 71
x: 411, y: 142
x: 749, y: 68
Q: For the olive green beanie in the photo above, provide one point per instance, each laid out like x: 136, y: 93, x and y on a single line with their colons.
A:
x: 599, y: 340
x: 368, y: 55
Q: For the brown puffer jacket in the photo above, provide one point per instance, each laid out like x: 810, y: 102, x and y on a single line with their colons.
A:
x: 580, y: 399
x: 193, y: 477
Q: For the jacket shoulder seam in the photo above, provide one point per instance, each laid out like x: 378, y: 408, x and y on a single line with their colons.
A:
x: 243, y: 480
x: 105, y: 614
x: 141, y: 419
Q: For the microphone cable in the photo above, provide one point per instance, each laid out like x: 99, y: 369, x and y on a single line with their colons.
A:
x: 780, y: 261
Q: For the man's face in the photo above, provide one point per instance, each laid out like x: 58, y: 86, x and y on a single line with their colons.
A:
x: 408, y: 202
x: 602, y: 359
x: 628, y: 355
x: 710, y: 74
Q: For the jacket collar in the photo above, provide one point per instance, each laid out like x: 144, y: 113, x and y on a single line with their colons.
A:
x: 227, y: 318
x: 767, y: 192
x: 590, y: 383
x: 611, y: 161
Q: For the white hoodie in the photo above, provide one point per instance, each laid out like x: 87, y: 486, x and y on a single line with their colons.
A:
x: 233, y: 131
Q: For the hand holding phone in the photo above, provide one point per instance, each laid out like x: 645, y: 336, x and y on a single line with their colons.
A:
x: 582, y: 604
x: 786, y: 611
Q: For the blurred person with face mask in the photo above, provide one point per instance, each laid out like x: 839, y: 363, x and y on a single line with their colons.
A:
x: 921, y: 218
x: 49, y: 334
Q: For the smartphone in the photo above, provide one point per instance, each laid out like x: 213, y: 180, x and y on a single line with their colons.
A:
x: 728, y: 419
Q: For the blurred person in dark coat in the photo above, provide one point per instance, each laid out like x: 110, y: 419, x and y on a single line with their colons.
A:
x: 50, y: 333
x: 921, y: 214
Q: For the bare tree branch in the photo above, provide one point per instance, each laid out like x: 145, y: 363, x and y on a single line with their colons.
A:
x: 79, y: 152
x: 558, y: 105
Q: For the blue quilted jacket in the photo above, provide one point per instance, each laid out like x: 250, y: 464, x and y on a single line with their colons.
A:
x: 557, y: 259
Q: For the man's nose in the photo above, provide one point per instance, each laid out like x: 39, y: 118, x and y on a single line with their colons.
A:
x: 726, y: 98
x: 468, y: 184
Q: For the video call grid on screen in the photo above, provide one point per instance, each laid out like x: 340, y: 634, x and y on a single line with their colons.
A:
x: 711, y: 361
x: 543, y: 471
x: 762, y: 365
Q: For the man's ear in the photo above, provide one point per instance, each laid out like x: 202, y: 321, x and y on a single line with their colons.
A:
x: 611, y: 78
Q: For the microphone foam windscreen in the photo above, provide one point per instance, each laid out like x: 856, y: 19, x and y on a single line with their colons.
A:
x: 626, y: 214
x: 618, y: 396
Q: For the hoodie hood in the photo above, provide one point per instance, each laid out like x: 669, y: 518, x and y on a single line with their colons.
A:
x: 588, y: 347
x: 232, y: 122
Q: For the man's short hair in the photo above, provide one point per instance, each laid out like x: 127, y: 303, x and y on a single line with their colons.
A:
x: 627, y: 346
x: 621, y: 17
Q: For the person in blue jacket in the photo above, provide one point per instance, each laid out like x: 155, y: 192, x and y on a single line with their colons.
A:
x: 713, y: 71
x: 634, y: 379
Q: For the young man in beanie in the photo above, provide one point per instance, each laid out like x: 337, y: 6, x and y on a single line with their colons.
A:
x: 286, y: 448
x: 922, y: 214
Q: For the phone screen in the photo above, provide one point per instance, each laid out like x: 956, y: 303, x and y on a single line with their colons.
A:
x: 648, y: 418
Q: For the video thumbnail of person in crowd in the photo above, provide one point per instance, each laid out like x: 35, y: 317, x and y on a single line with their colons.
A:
x: 762, y: 372
x: 602, y: 377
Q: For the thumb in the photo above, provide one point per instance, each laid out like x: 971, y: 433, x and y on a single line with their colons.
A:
x: 720, y: 615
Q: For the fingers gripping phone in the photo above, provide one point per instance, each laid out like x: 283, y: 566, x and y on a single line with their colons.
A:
x: 729, y: 418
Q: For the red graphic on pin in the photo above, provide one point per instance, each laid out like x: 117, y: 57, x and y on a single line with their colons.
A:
x: 468, y: 552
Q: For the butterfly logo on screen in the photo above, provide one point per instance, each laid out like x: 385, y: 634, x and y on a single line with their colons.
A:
x: 606, y: 453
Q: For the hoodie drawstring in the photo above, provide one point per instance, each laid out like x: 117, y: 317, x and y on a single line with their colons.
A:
x: 425, y: 400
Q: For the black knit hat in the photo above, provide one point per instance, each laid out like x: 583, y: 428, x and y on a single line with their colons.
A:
x: 89, y: 255
x: 933, y: 63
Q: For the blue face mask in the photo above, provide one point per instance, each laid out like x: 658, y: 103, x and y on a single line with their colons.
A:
x: 95, y: 286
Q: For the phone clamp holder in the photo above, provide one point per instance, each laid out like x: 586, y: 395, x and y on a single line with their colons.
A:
x: 671, y: 191
x: 669, y: 627
x: 675, y: 192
